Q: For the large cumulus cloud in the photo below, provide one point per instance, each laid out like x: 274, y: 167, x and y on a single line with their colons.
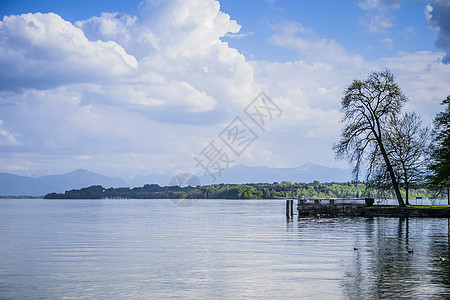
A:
x: 180, y: 42
x: 119, y: 85
x: 42, y: 50
x: 168, y: 58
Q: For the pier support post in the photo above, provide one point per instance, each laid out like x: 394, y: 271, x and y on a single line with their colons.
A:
x: 292, y: 208
x: 289, y: 208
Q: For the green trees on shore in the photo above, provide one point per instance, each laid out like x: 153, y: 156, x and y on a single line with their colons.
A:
x: 236, y: 191
x: 440, y: 156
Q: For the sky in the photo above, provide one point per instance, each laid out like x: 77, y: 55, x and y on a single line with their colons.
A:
x: 127, y: 88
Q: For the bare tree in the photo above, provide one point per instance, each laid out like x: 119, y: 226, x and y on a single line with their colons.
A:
x: 367, y: 107
x: 407, y: 144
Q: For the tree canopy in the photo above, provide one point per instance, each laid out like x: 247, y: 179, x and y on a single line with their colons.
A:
x: 440, y: 157
x: 367, y: 106
x: 407, y: 144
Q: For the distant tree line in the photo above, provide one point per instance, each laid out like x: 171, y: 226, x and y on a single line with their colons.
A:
x: 238, y: 191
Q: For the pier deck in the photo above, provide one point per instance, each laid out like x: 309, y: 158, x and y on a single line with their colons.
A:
x: 332, y: 206
x: 363, y: 207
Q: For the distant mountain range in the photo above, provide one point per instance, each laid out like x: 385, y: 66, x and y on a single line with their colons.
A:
x: 306, y: 173
x: 14, y: 185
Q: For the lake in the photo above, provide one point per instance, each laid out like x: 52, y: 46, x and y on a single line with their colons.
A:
x: 225, y: 249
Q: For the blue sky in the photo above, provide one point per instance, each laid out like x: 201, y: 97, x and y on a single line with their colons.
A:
x: 128, y: 87
x: 342, y: 21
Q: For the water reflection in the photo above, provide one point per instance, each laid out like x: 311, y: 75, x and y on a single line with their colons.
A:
x: 399, y: 259
x: 142, y: 249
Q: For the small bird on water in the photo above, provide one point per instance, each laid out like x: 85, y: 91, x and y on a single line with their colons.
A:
x: 410, y: 251
x: 355, y: 249
x: 441, y: 258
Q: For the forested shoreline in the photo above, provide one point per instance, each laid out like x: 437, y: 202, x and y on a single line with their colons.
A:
x: 240, y: 191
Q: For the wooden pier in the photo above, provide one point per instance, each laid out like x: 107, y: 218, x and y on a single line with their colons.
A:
x: 327, y: 206
x: 289, y: 208
x: 360, y: 207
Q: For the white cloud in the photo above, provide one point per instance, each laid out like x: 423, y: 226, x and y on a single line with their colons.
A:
x: 169, y: 56
x: 310, y: 90
x: 117, y: 84
x: 186, y: 28
x: 42, y: 50
x: 6, y: 138
x: 437, y: 14
x: 423, y: 79
x: 238, y: 35
x: 174, y: 29
x: 387, y: 42
x: 293, y: 35
x: 379, y: 4
x: 56, y: 122
x: 109, y: 26
x: 379, y: 19
x: 178, y: 44
x: 377, y: 23
x: 408, y: 32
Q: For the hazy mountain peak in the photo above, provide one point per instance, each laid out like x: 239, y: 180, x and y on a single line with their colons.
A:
x: 13, y: 185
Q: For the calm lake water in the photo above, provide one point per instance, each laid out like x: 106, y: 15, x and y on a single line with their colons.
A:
x: 226, y: 249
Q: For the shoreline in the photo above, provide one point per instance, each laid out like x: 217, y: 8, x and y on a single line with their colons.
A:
x: 427, y: 211
x: 360, y: 210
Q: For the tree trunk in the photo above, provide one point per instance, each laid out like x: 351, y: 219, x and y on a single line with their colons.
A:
x: 406, y: 192
x: 407, y: 196
x: 391, y: 173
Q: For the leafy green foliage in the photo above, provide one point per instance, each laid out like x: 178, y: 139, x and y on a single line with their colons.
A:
x: 440, y: 165
x: 233, y: 191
